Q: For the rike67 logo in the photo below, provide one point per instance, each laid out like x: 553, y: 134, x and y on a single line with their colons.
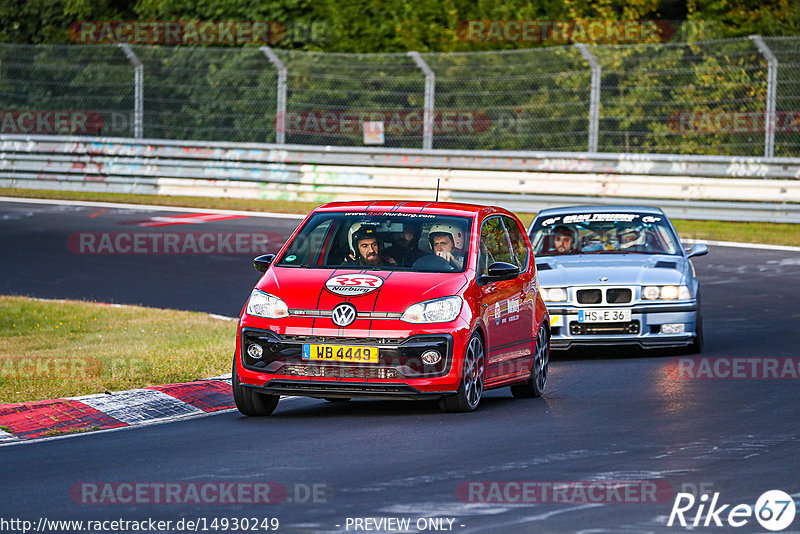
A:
x: 774, y: 510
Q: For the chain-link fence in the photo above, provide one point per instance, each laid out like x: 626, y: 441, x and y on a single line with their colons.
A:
x: 728, y: 97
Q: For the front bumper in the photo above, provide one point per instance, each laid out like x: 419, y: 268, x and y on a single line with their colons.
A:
x: 644, y: 329
x: 326, y: 390
x: 399, y: 372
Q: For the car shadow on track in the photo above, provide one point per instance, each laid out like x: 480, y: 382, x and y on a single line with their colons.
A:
x: 314, y: 408
x: 612, y: 353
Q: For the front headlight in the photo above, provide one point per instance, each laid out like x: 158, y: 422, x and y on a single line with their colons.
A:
x: 554, y: 294
x: 666, y: 292
x: 433, y: 311
x: 263, y: 304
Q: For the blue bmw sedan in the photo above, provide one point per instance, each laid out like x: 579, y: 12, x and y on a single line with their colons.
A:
x: 614, y: 275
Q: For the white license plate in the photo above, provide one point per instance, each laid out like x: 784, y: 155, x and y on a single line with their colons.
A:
x: 604, y: 316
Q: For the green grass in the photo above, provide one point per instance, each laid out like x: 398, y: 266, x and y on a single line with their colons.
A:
x: 59, y: 349
x: 70, y: 431
x: 274, y: 206
x: 744, y: 232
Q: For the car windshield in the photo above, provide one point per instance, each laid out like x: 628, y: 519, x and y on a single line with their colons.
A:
x: 603, y: 233
x: 381, y: 241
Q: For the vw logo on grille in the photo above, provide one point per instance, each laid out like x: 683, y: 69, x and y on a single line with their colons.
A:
x: 344, y: 314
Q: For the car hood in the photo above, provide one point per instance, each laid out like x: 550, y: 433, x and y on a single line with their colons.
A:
x: 305, y: 288
x: 620, y: 269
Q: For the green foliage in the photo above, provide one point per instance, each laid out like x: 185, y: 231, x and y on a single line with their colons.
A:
x: 520, y: 95
x: 394, y: 25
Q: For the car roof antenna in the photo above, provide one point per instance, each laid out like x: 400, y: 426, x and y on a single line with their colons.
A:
x: 437, y: 189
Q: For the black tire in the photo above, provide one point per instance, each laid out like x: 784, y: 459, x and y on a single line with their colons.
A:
x: 535, y: 385
x: 251, y: 402
x: 470, y: 390
x: 697, y: 343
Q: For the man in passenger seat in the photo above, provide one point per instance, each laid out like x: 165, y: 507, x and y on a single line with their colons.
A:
x: 405, y: 251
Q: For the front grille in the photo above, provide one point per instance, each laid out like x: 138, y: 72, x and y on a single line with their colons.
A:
x: 590, y: 296
x: 330, y: 371
x: 618, y: 295
x: 338, y: 340
x: 594, y: 329
x: 290, y: 387
x: 604, y: 295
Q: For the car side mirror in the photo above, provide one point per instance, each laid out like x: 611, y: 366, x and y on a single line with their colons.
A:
x: 698, y: 249
x: 262, y: 263
x: 500, y: 270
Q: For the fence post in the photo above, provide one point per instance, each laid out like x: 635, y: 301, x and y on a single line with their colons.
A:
x: 280, y: 123
x: 594, y: 96
x: 138, y: 90
x: 772, y: 88
x: 430, y: 88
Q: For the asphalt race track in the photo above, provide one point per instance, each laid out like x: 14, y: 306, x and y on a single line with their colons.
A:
x: 614, y: 416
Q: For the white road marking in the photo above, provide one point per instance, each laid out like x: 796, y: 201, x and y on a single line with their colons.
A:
x: 5, y: 436
x: 222, y: 317
x: 141, y: 207
x: 118, y: 429
x: 734, y: 244
x: 139, y: 405
x: 245, y: 213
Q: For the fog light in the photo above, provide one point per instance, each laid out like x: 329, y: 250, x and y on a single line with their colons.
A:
x: 431, y: 357
x: 673, y: 328
x: 255, y: 351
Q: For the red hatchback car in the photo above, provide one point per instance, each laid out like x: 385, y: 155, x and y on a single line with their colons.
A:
x: 408, y: 300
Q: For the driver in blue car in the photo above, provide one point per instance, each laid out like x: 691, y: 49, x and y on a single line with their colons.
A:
x: 563, y: 240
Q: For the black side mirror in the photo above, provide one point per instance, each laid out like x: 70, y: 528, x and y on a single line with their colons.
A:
x: 500, y: 270
x: 261, y: 263
x: 698, y: 249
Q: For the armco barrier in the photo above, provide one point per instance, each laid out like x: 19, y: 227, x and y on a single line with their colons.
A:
x: 696, y: 187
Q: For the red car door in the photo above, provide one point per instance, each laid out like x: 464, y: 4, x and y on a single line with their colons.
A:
x: 501, y: 300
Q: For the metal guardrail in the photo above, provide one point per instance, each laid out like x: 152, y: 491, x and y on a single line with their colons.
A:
x: 696, y: 187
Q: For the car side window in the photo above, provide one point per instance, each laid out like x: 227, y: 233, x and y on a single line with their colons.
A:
x: 309, y: 251
x: 517, y: 243
x: 494, y: 245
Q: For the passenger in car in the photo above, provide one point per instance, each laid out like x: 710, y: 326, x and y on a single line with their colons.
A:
x: 405, y: 251
x: 445, y: 239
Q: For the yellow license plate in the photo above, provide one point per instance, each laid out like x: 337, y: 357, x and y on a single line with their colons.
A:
x: 340, y: 353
